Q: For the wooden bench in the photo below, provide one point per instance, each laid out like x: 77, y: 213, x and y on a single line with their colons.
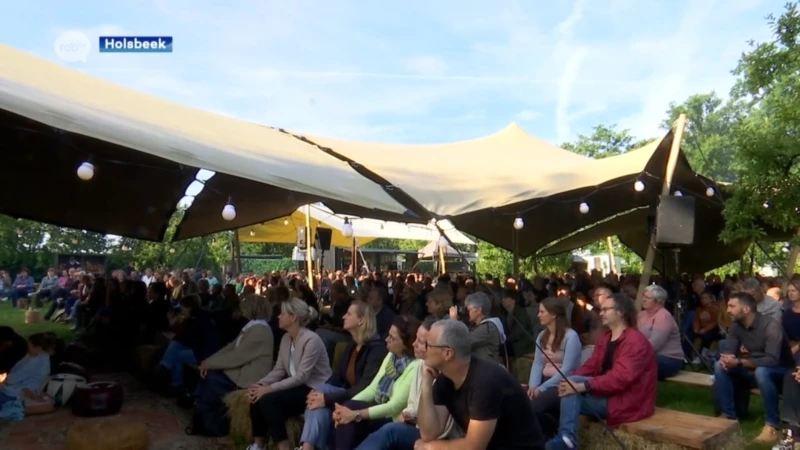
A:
x: 685, y: 429
x: 697, y: 379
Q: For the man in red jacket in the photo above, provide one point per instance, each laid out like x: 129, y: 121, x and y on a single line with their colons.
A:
x: 617, y: 383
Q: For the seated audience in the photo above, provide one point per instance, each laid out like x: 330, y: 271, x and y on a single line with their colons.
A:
x: 29, y: 374
x: 302, y: 364
x: 330, y: 324
x: 20, y: 288
x: 403, y: 432
x: 438, y: 301
x: 768, y: 359
x: 236, y: 366
x: 619, y: 379
x: 486, y: 333
x: 360, y: 362
x: 481, y: 396
x: 387, y: 394
x: 767, y: 306
x: 155, y: 318
x: 791, y: 317
x: 661, y: 330
x: 384, y: 315
x: 13, y: 348
x: 518, y: 324
x: 706, y: 325
x: 47, y: 286
x: 558, y: 348
x: 196, y: 338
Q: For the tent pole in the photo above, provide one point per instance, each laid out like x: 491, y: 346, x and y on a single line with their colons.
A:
x: 672, y: 162
x: 442, y: 250
x: 309, y: 260
x: 515, y: 245
x: 612, y: 263
x: 354, y: 259
x: 238, y: 251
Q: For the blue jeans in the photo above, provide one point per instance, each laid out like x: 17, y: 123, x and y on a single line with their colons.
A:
x: 573, y: 406
x: 318, y: 426
x: 668, y: 367
x: 769, y: 381
x: 687, y: 329
x: 175, y: 356
x: 393, y: 435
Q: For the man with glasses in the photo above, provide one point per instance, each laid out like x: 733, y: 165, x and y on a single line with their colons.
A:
x: 619, y: 379
x: 482, y: 397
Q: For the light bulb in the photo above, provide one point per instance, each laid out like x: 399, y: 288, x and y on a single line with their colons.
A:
x: 442, y: 241
x: 229, y: 212
x: 678, y: 194
x: 286, y: 221
x: 519, y: 223
x: 172, y: 250
x: 347, y: 229
x: 583, y: 208
x: 638, y: 186
x: 86, y: 171
x: 710, y: 191
x: 252, y: 233
x: 765, y: 205
x: 124, y: 248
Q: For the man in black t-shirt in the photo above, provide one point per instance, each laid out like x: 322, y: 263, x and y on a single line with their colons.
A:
x: 484, y: 399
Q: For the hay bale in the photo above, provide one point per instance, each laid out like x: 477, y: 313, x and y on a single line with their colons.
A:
x: 594, y: 436
x: 239, y: 414
x: 111, y: 433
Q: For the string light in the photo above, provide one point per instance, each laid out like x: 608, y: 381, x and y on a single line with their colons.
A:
x: 638, y: 186
x: 442, y: 241
x: 347, y: 229
x: 252, y: 233
x: 710, y: 191
x: 765, y: 205
x: 124, y: 248
x: 172, y: 250
x: 678, y: 194
x: 86, y: 171
x: 286, y: 221
x: 229, y: 211
x: 583, y: 207
x: 519, y: 223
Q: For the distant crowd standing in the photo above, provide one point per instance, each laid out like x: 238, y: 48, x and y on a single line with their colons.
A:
x: 406, y: 361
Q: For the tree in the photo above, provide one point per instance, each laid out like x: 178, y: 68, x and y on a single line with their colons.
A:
x: 767, y: 160
x: 707, y: 136
x: 604, y: 142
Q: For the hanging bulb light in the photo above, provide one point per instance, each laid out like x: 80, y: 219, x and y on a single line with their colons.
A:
x: 347, y: 229
x: 229, y: 211
x: 86, y: 171
x: 638, y: 186
x: 286, y: 221
x: 252, y: 233
x: 583, y: 207
x: 124, y: 248
x: 442, y: 241
x: 710, y: 191
x: 75, y: 241
x: 172, y: 250
x: 765, y: 205
x: 519, y: 223
x: 678, y: 194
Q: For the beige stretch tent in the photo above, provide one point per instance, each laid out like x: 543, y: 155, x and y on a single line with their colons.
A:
x: 483, y: 184
x: 146, y: 151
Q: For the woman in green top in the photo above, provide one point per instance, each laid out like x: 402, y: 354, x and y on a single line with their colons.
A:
x: 387, y: 395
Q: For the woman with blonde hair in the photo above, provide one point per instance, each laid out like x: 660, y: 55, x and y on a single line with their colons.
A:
x: 236, y: 366
x: 302, y: 364
x: 439, y: 301
x: 359, y: 364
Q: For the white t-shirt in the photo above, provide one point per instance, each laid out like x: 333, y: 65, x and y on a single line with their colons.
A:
x: 292, y: 368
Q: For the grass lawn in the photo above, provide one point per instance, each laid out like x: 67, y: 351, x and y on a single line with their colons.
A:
x: 695, y: 400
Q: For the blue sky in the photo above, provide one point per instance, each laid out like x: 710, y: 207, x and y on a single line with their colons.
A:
x: 414, y: 71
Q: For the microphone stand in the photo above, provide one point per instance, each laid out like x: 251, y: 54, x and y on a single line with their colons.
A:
x: 594, y: 414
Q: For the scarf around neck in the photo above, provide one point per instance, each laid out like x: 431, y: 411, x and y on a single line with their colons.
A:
x: 394, y: 368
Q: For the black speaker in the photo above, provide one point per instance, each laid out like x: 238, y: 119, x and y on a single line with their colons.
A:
x: 324, y: 236
x: 675, y: 220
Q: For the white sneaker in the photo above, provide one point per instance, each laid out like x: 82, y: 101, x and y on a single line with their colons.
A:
x: 696, y: 361
x: 254, y: 446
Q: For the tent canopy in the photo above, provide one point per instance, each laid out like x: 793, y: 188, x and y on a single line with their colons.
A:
x: 432, y: 251
x: 137, y: 140
x: 284, y: 230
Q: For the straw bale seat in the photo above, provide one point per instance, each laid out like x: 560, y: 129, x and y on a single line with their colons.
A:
x: 239, y: 414
x: 115, y: 432
x: 667, y: 430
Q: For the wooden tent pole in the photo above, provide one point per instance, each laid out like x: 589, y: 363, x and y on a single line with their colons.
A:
x: 672, y: 162
x: 309, y: 260
x: 612, y: 263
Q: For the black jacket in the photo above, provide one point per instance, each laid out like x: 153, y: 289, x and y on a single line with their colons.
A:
x: 368, y: 361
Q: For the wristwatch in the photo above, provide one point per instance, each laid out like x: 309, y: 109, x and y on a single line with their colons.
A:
x: 357, y: 418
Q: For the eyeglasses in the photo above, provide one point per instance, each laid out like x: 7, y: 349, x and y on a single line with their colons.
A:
x: 427, y: 346
x: 606, y: 309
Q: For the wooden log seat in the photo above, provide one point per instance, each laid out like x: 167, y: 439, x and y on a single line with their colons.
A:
x: 667, y: 430
x: 239, y: 414
x: 115, y: 432
x: 697, y: 379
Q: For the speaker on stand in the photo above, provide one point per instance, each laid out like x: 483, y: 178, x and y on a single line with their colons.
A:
x: 322, y: 241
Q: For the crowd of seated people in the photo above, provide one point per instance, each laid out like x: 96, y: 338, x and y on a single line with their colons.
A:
x: 384, y: 360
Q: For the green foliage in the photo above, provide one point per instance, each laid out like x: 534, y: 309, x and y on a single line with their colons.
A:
x: 767, y: 141
x: 261, y: 266
x: 604, y: 142
x: 706, y: 138
x: 396, y: 244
